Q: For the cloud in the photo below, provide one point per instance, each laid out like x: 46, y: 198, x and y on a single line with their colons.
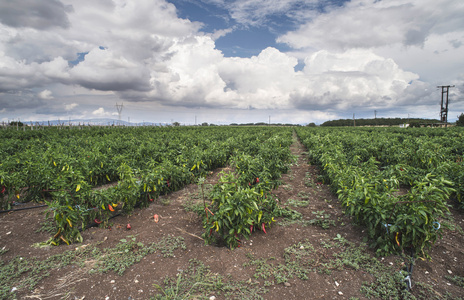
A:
x: 366, y: 24
x: 135, y: 36
x: 353, y: 79
x: 35, y: 14
x: 69, y: 107
x: 361, y: 55
x: 260, y: 12
x: 220, y: 33
x: 106, y: 70
x: 100, y: 113
x: 45, y: 95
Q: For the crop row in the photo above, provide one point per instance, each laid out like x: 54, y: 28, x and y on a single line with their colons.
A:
x: 242, y: 201
x: 395, y: 182
x: 67, y: 168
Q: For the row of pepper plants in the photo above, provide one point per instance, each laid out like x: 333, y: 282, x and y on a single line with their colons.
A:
x: 242, y: 201
x: 395, y: 182
x: 67, y: 168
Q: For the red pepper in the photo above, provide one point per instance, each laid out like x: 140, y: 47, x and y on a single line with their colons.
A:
x: 264, y: 228
x: 128, y: 226
x: 110, y: 207
x: 3, y: 189
x: 169, y: 184
x: 207, y: 209
x: 210, y: 231
x: 97, y: 221
x: 257, y: 180
x: 251, y: 228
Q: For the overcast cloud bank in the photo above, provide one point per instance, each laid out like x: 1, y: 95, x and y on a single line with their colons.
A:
x: 74, y: 59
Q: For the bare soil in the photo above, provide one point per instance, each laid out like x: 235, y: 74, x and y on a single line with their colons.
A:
x: 18, y: 234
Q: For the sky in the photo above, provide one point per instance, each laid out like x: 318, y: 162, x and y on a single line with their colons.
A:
x: 230, y: 61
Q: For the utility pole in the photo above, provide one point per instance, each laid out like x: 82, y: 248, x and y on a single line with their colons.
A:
x: 444, y: 103
x: 375, y: 114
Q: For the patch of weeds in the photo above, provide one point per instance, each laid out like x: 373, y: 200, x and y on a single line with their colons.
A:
x: 263, y: 269
x: 457, y: 280
x: 289, y: 213
x: 194, y: 206
x: 304, y: 195
x: 387, y: 284
x: 326, y: 245
x: 165, y: 201
x: 198, y: 282
x: 309, y: 183
x: 168, y: 244
x: 322, y: 219
x: 291, y: 217
x: 288, y: 187
x: 25, y: 273
x: 266, y: 270
x: 129, y: 251
x: 268, y: 283
x: 48, y: 226
x: 451, y: 225
x: 426, y: 291
x: 298, y: 259
x: 297, y: 203
x: 3, y: 250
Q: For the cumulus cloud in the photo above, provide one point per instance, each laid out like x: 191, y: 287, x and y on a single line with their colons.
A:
x: 100, y: 113
x: 106, y: 70
x: 69, y: 107
x: 351, y: 79
x: 45, y: 95
x: 366, y: 24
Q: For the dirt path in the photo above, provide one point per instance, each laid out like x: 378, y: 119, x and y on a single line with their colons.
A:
x: 323, y: 247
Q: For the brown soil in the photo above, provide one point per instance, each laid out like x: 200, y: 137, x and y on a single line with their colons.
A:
x: 17, y: 233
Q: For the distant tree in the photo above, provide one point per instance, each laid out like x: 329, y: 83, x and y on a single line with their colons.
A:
x: 311, y: 125
x: 204, y: 124
x: 176, y: 124
x: 414, y: 123
x: 15, y: 123
x: 460, y: 121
